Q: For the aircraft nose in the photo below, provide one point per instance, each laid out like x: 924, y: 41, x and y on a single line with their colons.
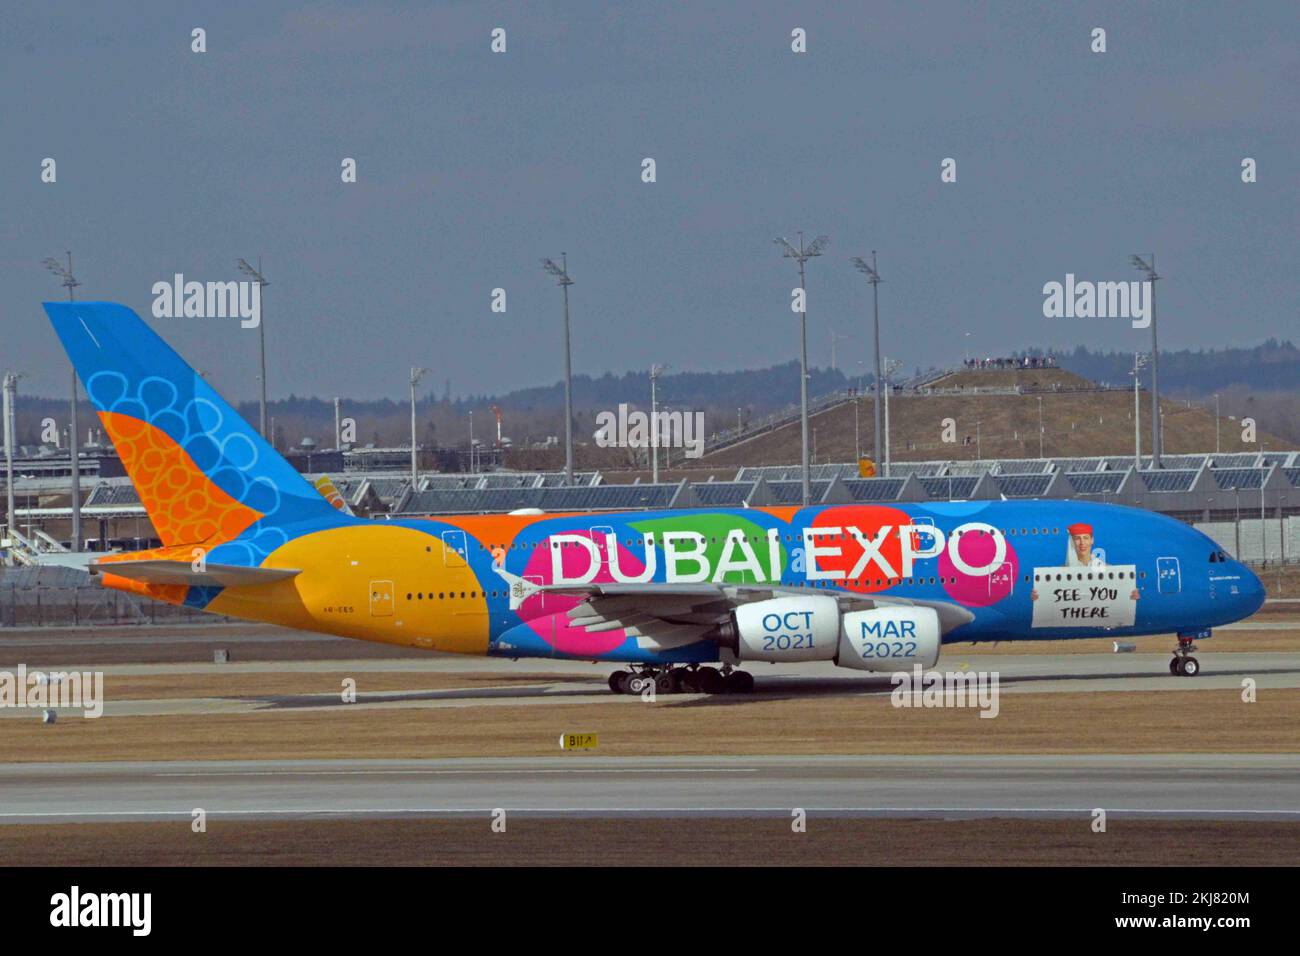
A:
x: 1252, y: 595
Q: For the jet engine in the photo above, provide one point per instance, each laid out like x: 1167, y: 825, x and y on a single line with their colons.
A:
x: 890, y: 638
x: 785, y: 629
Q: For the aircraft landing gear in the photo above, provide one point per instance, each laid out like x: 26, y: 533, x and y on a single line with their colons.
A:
x: 638, y: 681
x: 682, y: 680
x: 1183, y: 663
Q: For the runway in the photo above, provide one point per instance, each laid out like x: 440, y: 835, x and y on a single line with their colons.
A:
x: 576, y: 682
x: 1176, y: 786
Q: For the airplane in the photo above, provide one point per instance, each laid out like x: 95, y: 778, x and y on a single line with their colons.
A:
x: 684, y: 600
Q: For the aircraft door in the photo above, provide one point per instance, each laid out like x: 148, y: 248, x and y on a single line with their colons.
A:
x: 1002, y: 581
x: 539, y: 595
x: 381, y: 599
x: 599, y: 535
x: 455, y: 549
x: 1168, y: 576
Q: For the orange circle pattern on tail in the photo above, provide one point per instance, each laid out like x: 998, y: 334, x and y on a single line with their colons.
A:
x: 185, y: 506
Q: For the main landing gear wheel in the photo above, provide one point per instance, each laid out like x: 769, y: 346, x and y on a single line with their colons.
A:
x: 665, y: 683
x: 710, y: 681
x: 618, y: 681
x: 639, y: 683
x: 740, y: 682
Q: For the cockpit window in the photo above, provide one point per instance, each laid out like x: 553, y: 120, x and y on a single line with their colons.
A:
x: 1214, y: 556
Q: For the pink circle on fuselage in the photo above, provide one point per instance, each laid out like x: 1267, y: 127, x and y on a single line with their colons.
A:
x: 547, y: 614
x: 978, y: 590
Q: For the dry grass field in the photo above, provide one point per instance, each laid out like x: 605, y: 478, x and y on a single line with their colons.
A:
x: 1028, y: 723
x: 829, y: 841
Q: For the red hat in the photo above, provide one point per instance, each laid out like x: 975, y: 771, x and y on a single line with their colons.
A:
x: 1079, y: 528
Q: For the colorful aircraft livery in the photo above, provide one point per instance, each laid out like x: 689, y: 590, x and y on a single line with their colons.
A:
x: 870, y: 587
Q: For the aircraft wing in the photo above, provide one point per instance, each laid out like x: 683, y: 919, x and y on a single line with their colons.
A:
x: 162, y: 571
x: 669, y: 615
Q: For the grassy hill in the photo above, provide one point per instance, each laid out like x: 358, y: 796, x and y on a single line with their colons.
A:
x: 1007, y: 378
x: 1074, y: 424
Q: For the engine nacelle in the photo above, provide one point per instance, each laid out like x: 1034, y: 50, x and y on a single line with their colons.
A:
x: 787, y: 629
x: 890, y: 639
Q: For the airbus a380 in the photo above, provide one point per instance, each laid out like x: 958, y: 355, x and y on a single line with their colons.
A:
x: 683, y: 598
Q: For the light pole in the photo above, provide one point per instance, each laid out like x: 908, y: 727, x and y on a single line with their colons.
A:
x: 11, y: 439
x: 416, y: 374
x: 874, y: 278
x: 668, y: 449
x: 802, y: 254
x: 1148, y: 268
x: 561, y: 272
x: 256, y: 276
x: 69, y: 282
x: 1216, y: 423
x: 1139, y: 363
x: 857, y: 409
x: 857, y: 433
x: 1040, y: 426
x: 1281, y: 532
x: 891, y: 366
x: 655, y: 372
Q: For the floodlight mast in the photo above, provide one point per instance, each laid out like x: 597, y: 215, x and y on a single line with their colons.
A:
x: 1139, y: 363
x: 655, y: 372
x: 1148, y: 268
x: 891, y: 366
x: 561, y: 272
x: 802, y: 254
x: 416, y: 374
x: 69, y: 282
x: 256, y: 276
x: 869, y: 270
x: 11, y: 439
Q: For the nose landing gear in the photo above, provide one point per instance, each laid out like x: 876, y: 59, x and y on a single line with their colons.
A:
x: 1183, y: 663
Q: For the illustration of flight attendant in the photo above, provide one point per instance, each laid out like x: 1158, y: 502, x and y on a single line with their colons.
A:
x: 1079, y: 553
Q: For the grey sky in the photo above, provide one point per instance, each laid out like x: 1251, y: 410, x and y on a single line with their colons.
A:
x: 472, y: 166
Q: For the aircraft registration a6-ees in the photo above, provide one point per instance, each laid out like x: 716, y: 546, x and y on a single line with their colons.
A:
x: 668, y: 593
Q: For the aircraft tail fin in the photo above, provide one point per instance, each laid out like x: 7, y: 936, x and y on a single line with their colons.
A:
x: 204, y: 475
x: 330, y: 492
